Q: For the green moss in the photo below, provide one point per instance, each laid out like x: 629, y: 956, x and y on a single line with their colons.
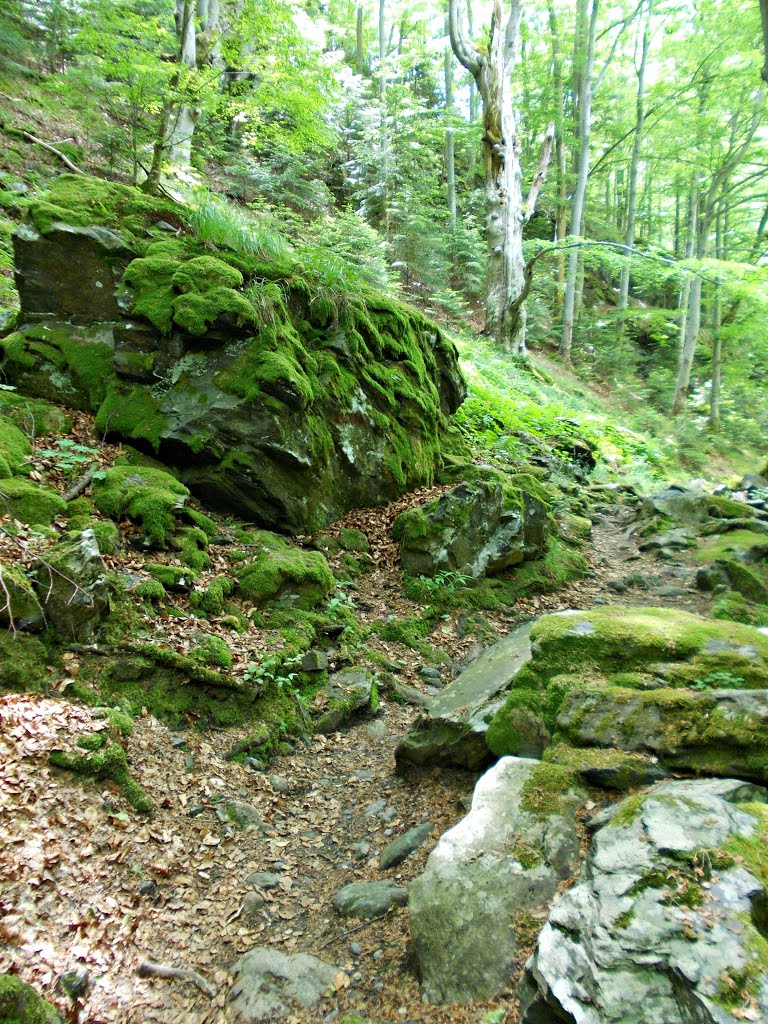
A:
x: 549, y: 789
x: 106, y: 533
x: 517, y: 726
x: 106, y: 765
x: 191, y: 542
x: 92, y: 741
x: 212, y: 651
x: 201, y: 521
x: 82, y: 201
x: 23, y: 662
x: 14, y: 446
x: 131, y: 412
x: 149, y: 497
x: 628, y: 811
x: 197, y: 313
x: 283, y: 573
x: 19, y: 605
x: 746, y: 580
x: 734, y: 607
x: 354, y: 540
x: 213, y: 599
x: 629, y: 769
x: 202, y: 273
x: 172, y: 577
x: 151, y: 591
x: 151, y: 280
x: 20, y: 1004
x: 29, y: 502
x: 728, y: 545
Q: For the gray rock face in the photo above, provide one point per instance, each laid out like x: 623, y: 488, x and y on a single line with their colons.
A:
x: 71, y: 582
x: 453, y: 727
x: 476, y: 529
x: 482, y: 881
x: 271, y: 985
x: 673, y: 540
x: 369, y: 899
x: 717, y: 732
x: 349, y: 691
x: 397, y: 851
x: 659, y: 921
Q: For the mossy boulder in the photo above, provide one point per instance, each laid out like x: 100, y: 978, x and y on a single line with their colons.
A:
x: 150, y: 498
x: 20, y: 1004
x: 29, y: 502
x: 282, y: 573
x: 23, y: 662
x: 274, y: 396
x: 14, y: 447
x: 348, y: 693
x: 34, y: 416
x: 72, y: 585
x: 606, y: 767
x: 666, y: 921
x: 19, y: 605
x: 681, y: 505
x: 663, y: 683
x: 475, y: 529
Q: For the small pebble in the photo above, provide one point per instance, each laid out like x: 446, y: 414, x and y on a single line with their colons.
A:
x: 279, y: 784
x: 378, y: 954
x: 147, y: 888
x: 355, y: 948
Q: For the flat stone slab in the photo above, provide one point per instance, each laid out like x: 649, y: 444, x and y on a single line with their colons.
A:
x: 270, y: 985
x: 369, y: 899
x: 452, y: 729
x: 406, y: 844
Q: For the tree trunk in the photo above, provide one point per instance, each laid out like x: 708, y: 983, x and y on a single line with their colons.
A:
x: 182, y: 126
x: 359, y: 41
x: 561, y: 215
x: 764, y: 16
x: 690, y: 306
x: 585, y: 113
x: 634, y: 167
x: 721, y: 231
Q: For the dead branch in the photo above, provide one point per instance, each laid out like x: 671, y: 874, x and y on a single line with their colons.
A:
x: 12, y: 130
x: 82, y: 482
x: 147, y: 969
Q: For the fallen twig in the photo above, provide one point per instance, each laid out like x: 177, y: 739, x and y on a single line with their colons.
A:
x: 147, y: 969
x: 81, y: 483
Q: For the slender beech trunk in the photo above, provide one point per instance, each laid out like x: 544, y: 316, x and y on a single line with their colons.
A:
x: 472, y: 83
x: 359, y: 40
x: 383, y: 131
x: 764, y: 16
x: 450, y: 157
x: 634, y: 166
x: 584, y: 79
x: 509, y: 279
x: 717, y: 322
x: 561, y: 216
x: 690, y: 304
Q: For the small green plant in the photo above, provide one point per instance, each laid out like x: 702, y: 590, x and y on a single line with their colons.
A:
x: 273, y: 672
x: 341, y: 598
x: 426, y: 588
x: 68, y: 455
x: 719, y: 681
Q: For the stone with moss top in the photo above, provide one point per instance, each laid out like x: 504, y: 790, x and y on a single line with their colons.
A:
x: 149, y: 497
x: 282, y: 573
x: 29, y: 502
x: 107, y: 764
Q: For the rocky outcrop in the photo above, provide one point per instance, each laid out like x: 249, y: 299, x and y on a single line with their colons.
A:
x: 452, y: 730
x: 490, y: 876
x: 349, y: 692
x: 275, y: 396
x: 476, y: 529
x: 666, y: 924
x: 674, y: 688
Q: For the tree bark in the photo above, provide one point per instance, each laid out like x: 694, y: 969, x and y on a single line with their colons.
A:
x: 690, y: 305
x: 634, y: 167
x: 764, y: 17
x: 561, y: 216
x: 359, y: 41
x: 584, y: 104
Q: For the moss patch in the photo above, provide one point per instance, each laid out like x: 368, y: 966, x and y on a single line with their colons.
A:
x: 30, y: 503
x: 20, y: 1004
x: 14, y: 446
x: 149, y: 497
x: 282, y: 573
x: 108, y: 764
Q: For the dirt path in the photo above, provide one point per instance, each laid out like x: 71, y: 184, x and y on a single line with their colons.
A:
x: 85, y: 885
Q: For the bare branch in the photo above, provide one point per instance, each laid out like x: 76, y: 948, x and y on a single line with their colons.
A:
x: 147, y: 969
x: 464, y: 49
x: 541, y: 172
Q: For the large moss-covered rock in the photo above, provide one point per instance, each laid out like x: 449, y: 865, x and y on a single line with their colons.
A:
x: 476, y: 529
x: 684, y: 506
x: 667, y: 923
x: 491, y: 876
x: 20, y: 1004
x: 660, y: 682
x: 273, y: 394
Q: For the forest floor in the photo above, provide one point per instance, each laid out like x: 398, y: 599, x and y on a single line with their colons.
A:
x: 85, y: 885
